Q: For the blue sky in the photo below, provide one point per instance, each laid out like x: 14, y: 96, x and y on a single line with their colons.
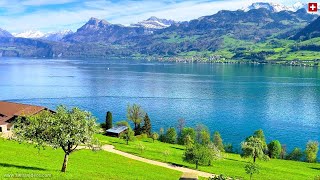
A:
x: 53, y: 15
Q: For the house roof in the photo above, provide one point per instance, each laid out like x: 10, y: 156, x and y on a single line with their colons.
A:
x: 9, y: 110
x: 117, y: 129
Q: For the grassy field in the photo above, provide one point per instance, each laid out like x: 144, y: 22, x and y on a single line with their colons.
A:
x: 232, y: 165
x: 83, y: 164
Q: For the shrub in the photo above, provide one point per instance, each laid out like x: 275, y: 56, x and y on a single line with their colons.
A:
x: 251, y: 169
x: 312, y: 151
x: 228, y: 147
x: 295, y: 155
x: 274, y: 149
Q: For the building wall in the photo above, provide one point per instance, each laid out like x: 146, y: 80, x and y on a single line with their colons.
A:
x: 3, y: 128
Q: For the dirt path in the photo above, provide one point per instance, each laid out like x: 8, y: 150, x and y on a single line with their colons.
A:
x: 111, y: 149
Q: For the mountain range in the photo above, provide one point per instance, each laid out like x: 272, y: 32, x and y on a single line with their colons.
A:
x: 218, y: 35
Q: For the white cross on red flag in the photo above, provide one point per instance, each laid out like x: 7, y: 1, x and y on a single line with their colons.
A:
x: 313, y: 7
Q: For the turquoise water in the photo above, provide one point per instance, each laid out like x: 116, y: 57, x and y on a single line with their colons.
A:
x: 231, y: 98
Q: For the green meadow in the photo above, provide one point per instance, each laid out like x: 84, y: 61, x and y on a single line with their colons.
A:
x: 25, y: 160
x: 231, y: 165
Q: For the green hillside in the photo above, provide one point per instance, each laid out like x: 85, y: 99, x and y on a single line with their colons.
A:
x: 25, y: 160
x: 232, y: 164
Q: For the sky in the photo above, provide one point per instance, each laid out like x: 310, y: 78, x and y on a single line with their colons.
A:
x: 54, y: 15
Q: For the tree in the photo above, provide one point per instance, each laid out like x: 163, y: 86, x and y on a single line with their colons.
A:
x: 128, y: 136
x: 205, y: 137
x: 217, y: 141
x: 162, y: 137
x: 251, y: 168
x: 201, y: 154
x: 171, y: 135
x: 259, y: 134
x: 186, y: 132
x: 312, y: 151
x: 146, y: 128
x: 135, y: 114
x: 295, y: 155
x: 180, y: 126
x: 109, y: 120
x: 66, y: 129
x: 252, y: 147
x: 274, y: 148
x: 154, y: 136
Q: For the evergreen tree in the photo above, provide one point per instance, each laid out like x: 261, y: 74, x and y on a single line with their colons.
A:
x: 109, y: 120
x: 146, y: 128
x: 217, y: 141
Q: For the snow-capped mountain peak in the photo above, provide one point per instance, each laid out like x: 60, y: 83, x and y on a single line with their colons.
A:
x: 29, y: 34
x: 52, y: 36
x: 154, y: 23
x: 276, y: 7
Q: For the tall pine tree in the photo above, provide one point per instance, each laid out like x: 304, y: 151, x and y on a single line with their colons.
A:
x: 146, y: 128
x: 109, y: 120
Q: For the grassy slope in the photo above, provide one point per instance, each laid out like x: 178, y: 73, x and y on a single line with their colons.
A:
x: 232, y: 165
x: 84, y: 164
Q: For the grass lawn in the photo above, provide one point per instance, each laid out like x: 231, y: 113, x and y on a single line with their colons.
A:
x: 18, y: 158
x: 232, y: 165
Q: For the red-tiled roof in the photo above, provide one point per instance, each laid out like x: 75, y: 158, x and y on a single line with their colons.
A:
x: 9, y: 110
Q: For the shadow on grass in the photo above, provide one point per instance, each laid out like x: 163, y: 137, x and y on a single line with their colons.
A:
x: 315, y: 168
x: 176, y: 164
x: 177, y: 148
x: 21, y: 167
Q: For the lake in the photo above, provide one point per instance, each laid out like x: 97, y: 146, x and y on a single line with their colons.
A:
x: 234, y: 99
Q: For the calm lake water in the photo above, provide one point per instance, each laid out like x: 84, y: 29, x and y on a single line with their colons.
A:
x: 231, y: 98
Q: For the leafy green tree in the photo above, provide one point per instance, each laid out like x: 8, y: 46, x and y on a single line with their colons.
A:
x: 162, y: 136
x: 312, y: 151
x: 252, y: 147
x: 135, y: 114
x: 187, y: 131
x: 217, y: 141
x: 205, y: 137
x: 274, y: 148
x: 66, y: 129
x: 251, y: 169
x: 109, y: 120
x: 171, y: 135
x: 146, y: 128
x: 295, y: 155
x: 260, y: 134
x: 200, y: 154
x: 228, y: 147
x: 154, y: 136
x: 188, y: 141
x: 128, y: 136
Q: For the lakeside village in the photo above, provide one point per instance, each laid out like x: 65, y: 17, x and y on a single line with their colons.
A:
x: 70, y: 129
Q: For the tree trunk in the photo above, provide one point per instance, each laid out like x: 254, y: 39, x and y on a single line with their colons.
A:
x: 65, y: 163
x: 254, y: 159
x: 196, y: 164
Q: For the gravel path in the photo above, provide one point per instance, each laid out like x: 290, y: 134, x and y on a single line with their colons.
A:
x: 111, y: 149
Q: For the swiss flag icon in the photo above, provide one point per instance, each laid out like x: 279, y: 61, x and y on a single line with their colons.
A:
x: 313, y: 7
